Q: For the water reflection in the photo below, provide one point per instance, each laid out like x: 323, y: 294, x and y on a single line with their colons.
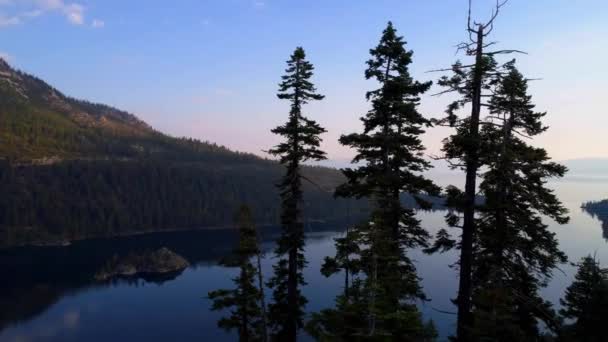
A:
x: 37, y: 277
x: 49, y: 293
x: 600, y: 214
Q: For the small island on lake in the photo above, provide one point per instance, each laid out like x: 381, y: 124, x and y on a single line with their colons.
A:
x: 152, y: 263
x: 599, y: 210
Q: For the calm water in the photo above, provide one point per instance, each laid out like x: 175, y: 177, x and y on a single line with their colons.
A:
x: 48, y: 294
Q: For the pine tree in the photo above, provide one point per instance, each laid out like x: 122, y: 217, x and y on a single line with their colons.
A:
x: 463, y: 150
x: 345, y: 259
x: 586, y: 302
x: 301, y: 144
x: 245, y: 301
x: 381, y: 302
x: 515, y: 253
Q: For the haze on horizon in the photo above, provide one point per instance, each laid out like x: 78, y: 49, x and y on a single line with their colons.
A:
x: 209, y: 69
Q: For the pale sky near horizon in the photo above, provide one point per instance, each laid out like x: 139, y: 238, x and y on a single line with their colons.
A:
x: 209, y: 69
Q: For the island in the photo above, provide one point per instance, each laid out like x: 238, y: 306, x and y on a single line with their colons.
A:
x: 160, y: 262
x: 599, y: 210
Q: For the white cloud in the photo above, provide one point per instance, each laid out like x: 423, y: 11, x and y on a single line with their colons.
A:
x: 27, y: 9
x: 9, y: 21
x: 74, y: 13
x: 98, y: 23
x: 259, y: 3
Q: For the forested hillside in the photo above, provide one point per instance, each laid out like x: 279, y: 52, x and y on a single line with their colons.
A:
x: 72, y: 169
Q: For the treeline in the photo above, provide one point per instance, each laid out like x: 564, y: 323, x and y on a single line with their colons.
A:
x: 82, y: 199
x: 506, y: 253
x: 599, y: 209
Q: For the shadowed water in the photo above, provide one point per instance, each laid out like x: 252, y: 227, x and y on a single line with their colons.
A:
x: 49, y: 294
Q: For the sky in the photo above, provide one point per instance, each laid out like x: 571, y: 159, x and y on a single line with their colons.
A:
x: 209, y: 69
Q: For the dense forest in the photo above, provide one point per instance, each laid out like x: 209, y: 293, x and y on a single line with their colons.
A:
x: 79, y: 199
x: 72, y: 169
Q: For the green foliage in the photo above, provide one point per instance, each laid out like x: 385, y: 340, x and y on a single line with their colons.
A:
x: 245, y: 300
x: 586, y: 303
x: 301, y: 143
x: 380, y: 302
x: 349, y: 320
x: 514, y: 252
x: 79, y: 199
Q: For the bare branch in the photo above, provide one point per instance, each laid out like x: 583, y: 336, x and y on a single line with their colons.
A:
x: 469, y: 48
x: 451, y: 90
x: 504, y: 52
x: 469, y: 28
x: 521, y: 134
x: 452, y: 68
x: 316, y: 185
x: 487, y: 33
x: 436, y: 157
x: 495, y: 13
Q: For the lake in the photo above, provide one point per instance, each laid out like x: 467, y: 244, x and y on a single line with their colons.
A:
x: 49, y: 293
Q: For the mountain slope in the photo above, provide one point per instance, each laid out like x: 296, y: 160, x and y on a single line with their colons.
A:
x: 38, y: 121
x: 73, y: 170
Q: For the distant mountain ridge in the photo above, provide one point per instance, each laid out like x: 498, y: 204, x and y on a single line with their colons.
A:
x: 38, y: 121
x: 32, y: 89
x: 587, y: 167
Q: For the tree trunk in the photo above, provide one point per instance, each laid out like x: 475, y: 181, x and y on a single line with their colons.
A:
x: 468, y: 227
x: 262, y: 299
x: 346, y: 264
x: 245, y: 318
x: 501, y: 219
x: 293, y: 226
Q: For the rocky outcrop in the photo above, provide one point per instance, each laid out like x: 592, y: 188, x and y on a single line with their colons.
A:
x: 160, y: 262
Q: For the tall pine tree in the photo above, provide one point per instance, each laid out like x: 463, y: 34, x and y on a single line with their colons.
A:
x: 514, y: 252
x: 382, y: 302
x: 472, y: 82
x: 245, y: 301
x: 301, y: 144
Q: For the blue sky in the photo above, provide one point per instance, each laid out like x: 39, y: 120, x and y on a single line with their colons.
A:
x: 209, y: 69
